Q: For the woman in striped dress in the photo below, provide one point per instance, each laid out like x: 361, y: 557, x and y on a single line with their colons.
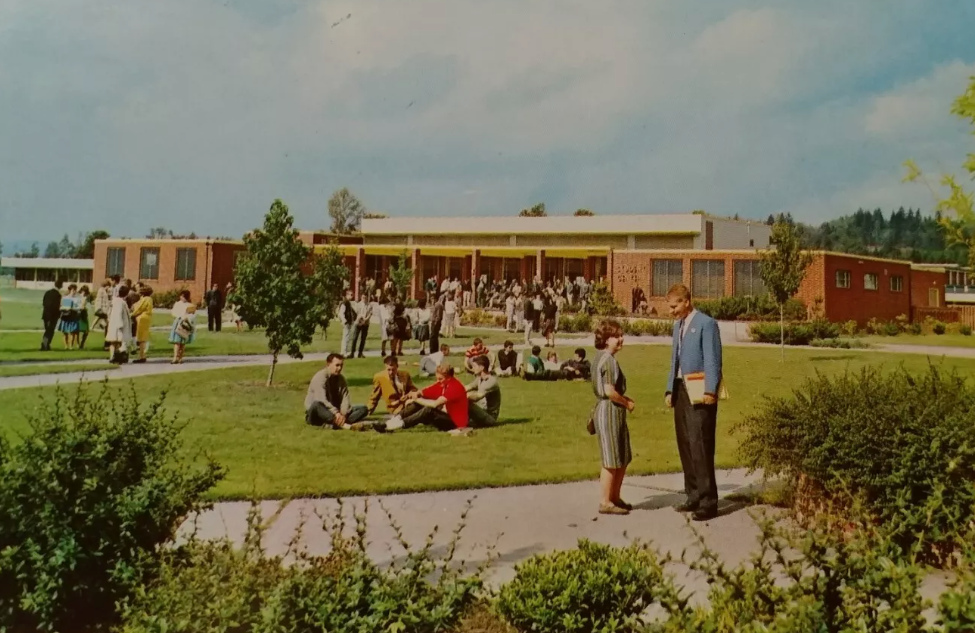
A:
x: 609, y: 416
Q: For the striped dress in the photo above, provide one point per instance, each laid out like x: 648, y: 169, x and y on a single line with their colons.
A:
x: 610, y: 419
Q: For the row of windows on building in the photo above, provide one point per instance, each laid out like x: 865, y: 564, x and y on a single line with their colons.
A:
x: 149, y: 263
x: 871, y: 281
x: 707, y: 278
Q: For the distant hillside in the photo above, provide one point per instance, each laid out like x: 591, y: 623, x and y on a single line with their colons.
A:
x: 903, y: 234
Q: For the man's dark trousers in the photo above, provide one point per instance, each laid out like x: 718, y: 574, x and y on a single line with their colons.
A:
x: 213, y: 318
x: 361, y: 332
x: 49, y: 327
x: 695, y: 427
x: 434, y: 338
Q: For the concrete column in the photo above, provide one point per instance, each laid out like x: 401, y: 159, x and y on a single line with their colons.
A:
x: 360, y: 264
x: 417, y: 282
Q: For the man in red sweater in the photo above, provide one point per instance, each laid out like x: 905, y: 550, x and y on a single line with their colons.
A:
x: 444, y: 403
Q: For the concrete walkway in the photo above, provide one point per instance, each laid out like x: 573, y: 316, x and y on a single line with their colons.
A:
x: 519, y: 522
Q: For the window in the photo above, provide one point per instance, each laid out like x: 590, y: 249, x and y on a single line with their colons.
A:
x: 707, y: 281
x: 870, y: 281
x: 843, y: 279
x: 115, y: 262
x: 751, y: 242
x: 149, y: 263
x: 896, y: 283
x: 185, y: 264
x: 666, y: 273
x: 748, y: 279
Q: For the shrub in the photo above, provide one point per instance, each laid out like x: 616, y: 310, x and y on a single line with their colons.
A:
x: 939, y: 328
x: 839, y: 343
x: 893, y: 437
x: 211, y: 586
x: 838, y: 575
x: 750, y: 308
x: 169, y: 298
x: 602, y: 301
x: 915, y: 328
x: 86, y: 499
x: 850, y: 328
x: 795, y: 333
x: 965, y: 330
x: 593, y: 588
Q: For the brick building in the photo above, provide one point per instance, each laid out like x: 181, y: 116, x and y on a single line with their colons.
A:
x: 714, y: 257
x: 169, y: 264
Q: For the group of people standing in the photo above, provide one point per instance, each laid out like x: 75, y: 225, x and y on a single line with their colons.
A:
x: 66, y: 313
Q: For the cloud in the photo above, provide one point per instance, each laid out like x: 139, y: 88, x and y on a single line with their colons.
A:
x: 196, y: 115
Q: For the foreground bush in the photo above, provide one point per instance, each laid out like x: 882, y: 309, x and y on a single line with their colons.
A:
x: 86, y: 499
x: 211, y: 586
x: 593, y: 588
x: 894, y: 437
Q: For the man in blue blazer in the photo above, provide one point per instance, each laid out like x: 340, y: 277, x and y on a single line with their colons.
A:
x: 697, y: 348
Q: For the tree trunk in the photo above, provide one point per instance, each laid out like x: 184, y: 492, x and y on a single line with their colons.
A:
x: 270, y: 374
x: 782, y: 329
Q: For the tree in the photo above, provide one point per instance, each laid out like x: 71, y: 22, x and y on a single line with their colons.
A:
x: 52, y: 250
x: 276, y: 293
x: 346, y: 212
x: 158, y: 233
x: 582, y: 212
x: 535, y: 211
x: 86, y: 250
x: 957, y: 207
x: 784, y: 267
x: 401, y: 275
x: 65, y: 247
x: 771, y: 220
x: 34, y: 251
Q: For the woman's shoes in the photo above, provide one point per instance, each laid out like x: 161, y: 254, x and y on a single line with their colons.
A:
x: 139, y: 360
x: 619, y: 503
x: 612, y: 509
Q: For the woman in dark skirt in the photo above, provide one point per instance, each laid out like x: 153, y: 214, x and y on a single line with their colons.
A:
x: 609, y: 416
x: 401, y: 329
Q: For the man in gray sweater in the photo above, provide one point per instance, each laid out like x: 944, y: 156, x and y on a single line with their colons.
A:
x: 327, y: 402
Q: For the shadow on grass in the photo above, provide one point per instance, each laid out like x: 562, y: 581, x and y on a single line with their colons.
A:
x: 508, y: 421
x: 831, y: 358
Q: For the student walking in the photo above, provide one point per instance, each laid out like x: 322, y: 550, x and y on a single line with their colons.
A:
x: 214, y: 303
x: 50, y: 313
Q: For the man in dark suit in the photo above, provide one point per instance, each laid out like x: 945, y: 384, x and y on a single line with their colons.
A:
x: 696, y: 348
x: 50, y: 314
x: 214, y: 303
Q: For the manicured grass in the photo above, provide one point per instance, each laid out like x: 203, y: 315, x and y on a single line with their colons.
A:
x: 7, y: 371
x: 260, y: 434
x: 934, y: 340
x: 24, y: 346
x: 21, y: 310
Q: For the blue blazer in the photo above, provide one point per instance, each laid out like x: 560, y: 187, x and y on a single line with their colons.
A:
x: 700, y: 351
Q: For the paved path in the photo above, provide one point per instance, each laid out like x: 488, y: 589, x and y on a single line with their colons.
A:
x: 520, y: 522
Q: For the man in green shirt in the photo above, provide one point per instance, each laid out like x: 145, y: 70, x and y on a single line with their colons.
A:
x: 484, y: 394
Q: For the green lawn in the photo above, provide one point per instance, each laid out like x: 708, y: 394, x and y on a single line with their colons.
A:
x: 260, y: 434
x: 52, y: 368
x: 934, y: 340
x: 21, y: 310
x: 24, y: 346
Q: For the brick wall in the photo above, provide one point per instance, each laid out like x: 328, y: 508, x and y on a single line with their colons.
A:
x: 856, y: 303
x: 634, y: 269
x: 214, y: 263
x: 922, y: 281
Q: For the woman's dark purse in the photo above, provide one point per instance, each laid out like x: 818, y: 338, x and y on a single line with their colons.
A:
x: 591, y: 425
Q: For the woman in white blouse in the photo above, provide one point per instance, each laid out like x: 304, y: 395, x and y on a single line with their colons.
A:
x: 119, y: 331
x: 184, y: 327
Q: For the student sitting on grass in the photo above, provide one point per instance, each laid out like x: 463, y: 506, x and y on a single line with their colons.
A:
x: 506, y: 363
x: 534, y: 364
x: 552, y: 362
x: 390, y: 385
x: 328, y: 404
x: 577, y: 368
x: 477, y: 349
x: 429, y: 364
x: 484, y: 395
x: 443, y: 405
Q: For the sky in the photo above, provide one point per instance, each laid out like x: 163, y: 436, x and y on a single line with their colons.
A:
x: 196, y: 114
